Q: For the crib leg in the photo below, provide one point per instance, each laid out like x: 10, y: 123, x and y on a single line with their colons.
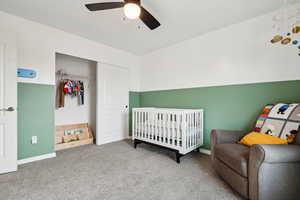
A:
x: 136, y: 142
x: 178, y: 156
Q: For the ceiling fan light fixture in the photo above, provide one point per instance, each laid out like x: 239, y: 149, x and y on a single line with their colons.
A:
x: 132, y: 10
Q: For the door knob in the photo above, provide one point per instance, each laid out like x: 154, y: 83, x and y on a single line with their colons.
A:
x: 9, y: 109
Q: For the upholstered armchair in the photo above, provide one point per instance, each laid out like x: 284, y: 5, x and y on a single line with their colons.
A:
x: 262, y: 172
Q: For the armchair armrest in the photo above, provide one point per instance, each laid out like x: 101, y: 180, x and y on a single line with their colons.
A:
x: 274, y: 171
x: 281, y: 153
x: 223, y: 137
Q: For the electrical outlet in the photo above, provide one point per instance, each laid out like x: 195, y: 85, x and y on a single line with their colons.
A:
x: 34, y: 140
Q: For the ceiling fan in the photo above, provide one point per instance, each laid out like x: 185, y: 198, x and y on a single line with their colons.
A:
x: 132, y: 10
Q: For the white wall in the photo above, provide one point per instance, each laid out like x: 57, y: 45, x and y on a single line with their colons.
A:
x: 38, y: 43
x: 72, y: 112
x: 237, y: 54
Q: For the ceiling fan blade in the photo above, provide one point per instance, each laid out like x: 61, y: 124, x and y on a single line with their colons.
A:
x: 148, y: 19
x: 104, y: 6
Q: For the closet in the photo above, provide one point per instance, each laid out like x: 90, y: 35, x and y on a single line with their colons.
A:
x: 76, y: 96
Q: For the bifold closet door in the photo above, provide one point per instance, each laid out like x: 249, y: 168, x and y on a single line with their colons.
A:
x: 112, y: 103
x: 8, y: 103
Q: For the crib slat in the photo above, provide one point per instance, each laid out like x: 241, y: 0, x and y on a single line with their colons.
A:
x: 185, y: 132
x: 188, y: 130
x: 136, y: 124
x: 190, y: 125
x: 144, y: 124
x: 199, y: 128
x: 155, y: 126
x: 202, y: 127
x: 133, y: 125
x: 173, y: 129
x: 191, y: 130
x: 163, y: 127
x: 150, y: 125
x: 178, y: 120
x: 169, y: 128
x: 141, y: 124
x: 195, y: 130
x: 197, y: 125
x: 166, y: 129
x: 159, y: 127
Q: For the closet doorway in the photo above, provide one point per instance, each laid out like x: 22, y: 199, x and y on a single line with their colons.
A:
x: 76, y: 101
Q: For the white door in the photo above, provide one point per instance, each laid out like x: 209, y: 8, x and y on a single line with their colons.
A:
x: 8, y: 104
x: 112, y: 108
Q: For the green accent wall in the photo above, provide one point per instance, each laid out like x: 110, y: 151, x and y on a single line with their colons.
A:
x: 35, y: 118
x: 233, y: 107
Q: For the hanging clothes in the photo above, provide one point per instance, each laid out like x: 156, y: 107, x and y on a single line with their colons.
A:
x: 81, y: 93
x: 76, y: 88
x: 61, y: 95
x: 71, y: 88
x: 68, y: 87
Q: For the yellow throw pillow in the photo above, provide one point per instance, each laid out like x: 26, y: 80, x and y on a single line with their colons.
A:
x: 260, y: 138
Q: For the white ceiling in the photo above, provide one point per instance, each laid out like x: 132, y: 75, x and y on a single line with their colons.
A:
x: 180, y: 19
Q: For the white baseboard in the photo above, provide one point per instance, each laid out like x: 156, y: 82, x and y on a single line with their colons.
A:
x: 36, y: 158
x: 110, y: 140
x: 205, y: 151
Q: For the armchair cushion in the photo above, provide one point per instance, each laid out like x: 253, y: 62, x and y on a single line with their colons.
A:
x: 235, y: 156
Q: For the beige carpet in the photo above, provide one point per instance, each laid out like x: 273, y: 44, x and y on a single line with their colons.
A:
x: 116, y: 171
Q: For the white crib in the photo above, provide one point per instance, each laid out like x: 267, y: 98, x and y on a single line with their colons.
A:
x: 178, y: 129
